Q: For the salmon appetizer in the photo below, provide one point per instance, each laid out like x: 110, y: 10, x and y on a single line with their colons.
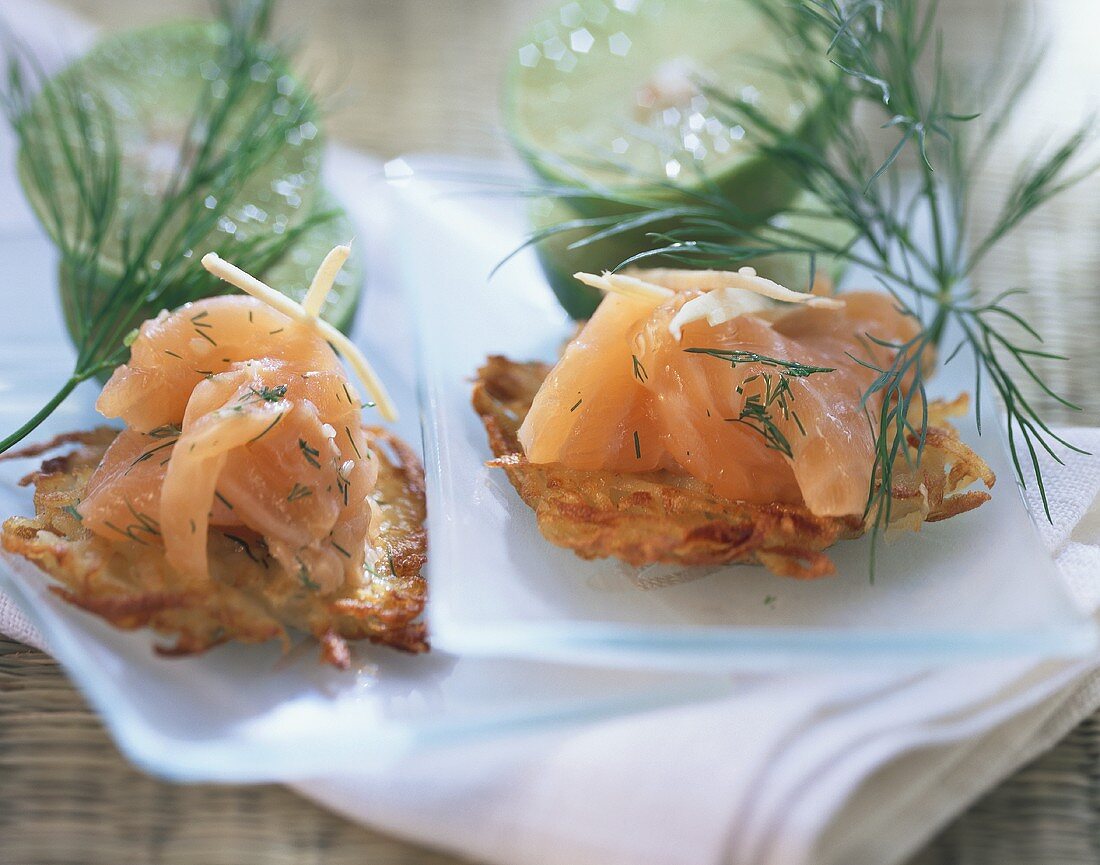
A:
x: 244, y: 496
x: 677, y: 428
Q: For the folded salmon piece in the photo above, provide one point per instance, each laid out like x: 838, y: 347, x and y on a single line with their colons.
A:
x: 629, y: 395
x: 244, y: 496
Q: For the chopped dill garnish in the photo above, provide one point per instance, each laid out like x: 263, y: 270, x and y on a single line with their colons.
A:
x: 303, y: 576
x: 131, y: 530
x: 267, y: 429
x: 206, y: 336
x: 639, y: 370
x: 171, y: 353
x: 299, y: 492
x: 576, y: 405
x: 309, y: 453
x: 223, y: 500
x: 245, y: 548
x: 197, y: 320
x: 168, y: 430
x: 277, y: 330
x: 769, y: 601
x: 351, y: 439
x: 757, y: 410
x: 347, y: 393
x: 343, y: 484
x: 73, y: 512
x: 339, y: 548
x: 124, y: 533
x: 264, y: 394
x: 149, y: 453
x: 637, y: 446
x: 145, y: 522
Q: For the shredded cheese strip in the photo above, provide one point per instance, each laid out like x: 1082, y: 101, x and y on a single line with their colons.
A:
x: 324, y: 278
x: 748, y: 279
x: 619, y: 283
x: 277, y: 300
x: 717, y: 307
x: 725, y: 297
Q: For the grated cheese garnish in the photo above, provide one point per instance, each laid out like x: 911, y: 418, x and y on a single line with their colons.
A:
x: 319, y: 289
x: 620, y: 283
x: 728, y: 294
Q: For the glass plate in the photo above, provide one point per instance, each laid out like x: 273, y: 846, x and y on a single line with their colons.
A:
x: 979, y: 585
x: 249, y: 713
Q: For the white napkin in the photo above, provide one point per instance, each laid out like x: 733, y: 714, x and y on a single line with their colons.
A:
x: 791, y: 769
x: 836, y: 769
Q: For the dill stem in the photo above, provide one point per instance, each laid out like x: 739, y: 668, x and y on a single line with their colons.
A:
x: 43, y: 413
x: 944, y: 283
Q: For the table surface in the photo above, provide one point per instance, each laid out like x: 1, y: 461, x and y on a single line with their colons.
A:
x: 422, y: 75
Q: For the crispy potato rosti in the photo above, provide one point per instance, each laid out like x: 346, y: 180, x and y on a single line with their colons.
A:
x: 659, y: 516
x: 249, y: 597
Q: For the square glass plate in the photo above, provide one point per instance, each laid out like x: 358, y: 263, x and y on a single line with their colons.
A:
x: 249, y: 713
x: 979, y: 585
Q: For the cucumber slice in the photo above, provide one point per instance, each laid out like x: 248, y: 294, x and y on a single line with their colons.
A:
x: 559, y: 263
x: 602, y: 81
x: 152, y: 81
x: 291, y: 273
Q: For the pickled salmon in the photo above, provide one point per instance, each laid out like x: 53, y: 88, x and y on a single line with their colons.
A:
x: 629, y: 395
x: 240, y: 418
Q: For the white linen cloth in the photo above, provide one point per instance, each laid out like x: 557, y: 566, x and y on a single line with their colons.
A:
x: 811, y: 769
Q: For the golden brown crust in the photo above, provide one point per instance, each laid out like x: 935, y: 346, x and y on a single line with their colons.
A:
x: 664, y: 517
x: 248, y: 599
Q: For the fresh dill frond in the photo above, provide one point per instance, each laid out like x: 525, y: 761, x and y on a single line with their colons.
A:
x: 123, y: 266
x: 908, y: 209
x: 736, y: 357
x: 761, y: 410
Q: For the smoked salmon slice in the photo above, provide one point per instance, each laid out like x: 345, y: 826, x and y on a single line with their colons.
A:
x: 237, y: 416
x: 631, y: 395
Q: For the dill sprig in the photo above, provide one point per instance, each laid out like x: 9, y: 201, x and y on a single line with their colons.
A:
x: 735, y: 357
x: 773, y: 399
x: 878, y: 51
x: 68, y: 139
